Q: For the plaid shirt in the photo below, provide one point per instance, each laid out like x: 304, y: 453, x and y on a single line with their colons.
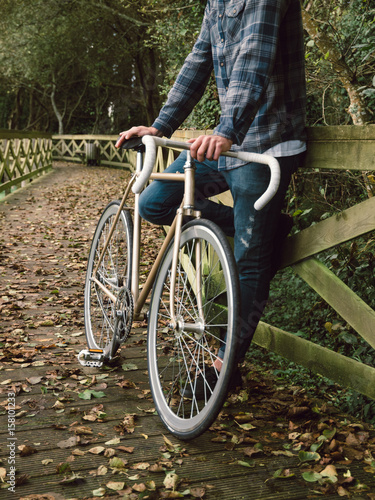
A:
x: 256, y: 50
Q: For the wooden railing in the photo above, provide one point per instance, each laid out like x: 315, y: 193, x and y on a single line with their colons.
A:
x: 92, y: 149
x: 346, y: 148
x: 23, y: 156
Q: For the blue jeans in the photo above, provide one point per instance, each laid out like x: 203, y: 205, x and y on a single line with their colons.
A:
x: 254, y: 232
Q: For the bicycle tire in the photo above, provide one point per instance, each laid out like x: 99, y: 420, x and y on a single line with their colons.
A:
x: 100, y: 313
x: 176, y: 357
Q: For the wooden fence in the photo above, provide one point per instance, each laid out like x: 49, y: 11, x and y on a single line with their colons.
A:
x: 23, y: 156
x: 92, y: 149
x: 345, y: 148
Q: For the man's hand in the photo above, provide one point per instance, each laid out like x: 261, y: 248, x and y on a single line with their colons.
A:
x: 137, y: 132
x: 209, y: 146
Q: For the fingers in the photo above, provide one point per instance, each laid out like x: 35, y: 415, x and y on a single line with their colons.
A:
x: 209, y: 146
x: 135, y: 132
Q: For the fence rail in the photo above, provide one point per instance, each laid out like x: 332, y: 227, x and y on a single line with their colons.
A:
x: 92, y: 149
x: 23, y: 156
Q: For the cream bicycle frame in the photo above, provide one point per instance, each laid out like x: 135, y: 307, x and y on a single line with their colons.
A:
x: 187, y: 208
x: 142, y: 174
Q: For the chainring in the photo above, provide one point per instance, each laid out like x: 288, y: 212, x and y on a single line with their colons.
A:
x: 124, y: 314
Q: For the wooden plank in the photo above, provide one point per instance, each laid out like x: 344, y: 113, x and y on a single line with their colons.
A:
x: 345, y: 371
x: 89, y: 137
x: 339, y: 296
x: 115, y: 164
x: 19, y: 180
x: 11, y: 134
x: 334, y: 133
x: 342, y: 147
x: 337, y: 229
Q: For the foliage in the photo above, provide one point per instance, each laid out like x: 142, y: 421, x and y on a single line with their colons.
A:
x: 350, y: 27
x: 84, y: 66
x: 295, y: 307
x: 82, y: 63
x: 174, y: 34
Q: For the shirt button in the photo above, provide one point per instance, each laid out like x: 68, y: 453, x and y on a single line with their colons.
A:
x: 222, y: 64
x: 234, y: 11
x: 222, y: 40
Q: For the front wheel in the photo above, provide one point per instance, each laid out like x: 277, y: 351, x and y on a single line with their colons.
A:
x: 182, y: 346
x: 106, y: 319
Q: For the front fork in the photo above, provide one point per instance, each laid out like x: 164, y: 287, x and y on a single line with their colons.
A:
x: 187, y: 209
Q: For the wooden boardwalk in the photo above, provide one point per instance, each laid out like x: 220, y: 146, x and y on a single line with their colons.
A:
x: 56, y: 443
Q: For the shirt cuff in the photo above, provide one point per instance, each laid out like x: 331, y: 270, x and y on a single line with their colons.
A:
x: 166, y: 129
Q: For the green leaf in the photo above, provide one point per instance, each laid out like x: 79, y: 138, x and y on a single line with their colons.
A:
x: 329, y: 434
x: 311, y: 476
x: 308, y: 456
x: 315, y: 446
x: 246, y: 464
x: 88, y: 394
x: 246, y: 427
x: 128, y: 367
x: 283, y: 474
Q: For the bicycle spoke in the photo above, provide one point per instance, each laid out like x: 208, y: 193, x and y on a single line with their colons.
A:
x: 183, y: 346
x: 114, y: 270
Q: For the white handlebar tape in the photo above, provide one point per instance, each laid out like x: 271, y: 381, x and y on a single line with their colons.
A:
x: 152, y: 142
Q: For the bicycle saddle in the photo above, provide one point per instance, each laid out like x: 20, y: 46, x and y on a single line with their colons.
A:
x: 133, y: 143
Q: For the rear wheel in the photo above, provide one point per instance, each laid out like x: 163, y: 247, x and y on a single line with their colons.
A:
x: 181, y: 349
x: 108, y: 319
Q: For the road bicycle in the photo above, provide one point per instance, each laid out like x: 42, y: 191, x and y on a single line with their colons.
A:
x: 194, y: 305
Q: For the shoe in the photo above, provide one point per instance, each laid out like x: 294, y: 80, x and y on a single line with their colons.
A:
x: 204, y: 385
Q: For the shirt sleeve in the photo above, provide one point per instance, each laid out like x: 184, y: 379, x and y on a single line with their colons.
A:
x: 252, y: 68
x: 189, y: 85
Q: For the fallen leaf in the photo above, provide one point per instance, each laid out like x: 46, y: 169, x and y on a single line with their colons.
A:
x: 126, y: 449
x: 139, y: 487
x: 117, y: 463
x: 155, y: 468
x: 141, y: 466
x: 311, y: 476
x: 113, y: 441
x: 308, y: 456
x: 82, y: 430
x: 100, y: 492
x: 97, y: 450
x: 127, y: 367
x: 197, y: 492
x: 89, y: 393
x: 246, y: 427
x: 34, y: 380
x: 115, y: 486
x: 109, y: 452
x: 63, y: 468
x: 102, y: 470
x: 342, y: 492
x: 26, y: 450
x: 171, y: 480
x: 283, y: 474
x: 69, y: 443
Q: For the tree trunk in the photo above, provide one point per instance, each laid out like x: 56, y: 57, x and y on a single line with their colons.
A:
x: 14, y: 118
x: 357, y: 109
x: 148, y: 79
x: 58, y: 115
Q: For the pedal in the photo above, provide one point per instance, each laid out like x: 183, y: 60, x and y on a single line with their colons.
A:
x: 92, y: 358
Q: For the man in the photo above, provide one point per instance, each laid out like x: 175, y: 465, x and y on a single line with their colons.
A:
x: 256, y: 50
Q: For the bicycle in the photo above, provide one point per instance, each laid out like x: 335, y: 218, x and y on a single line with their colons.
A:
x: 193, y: 309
